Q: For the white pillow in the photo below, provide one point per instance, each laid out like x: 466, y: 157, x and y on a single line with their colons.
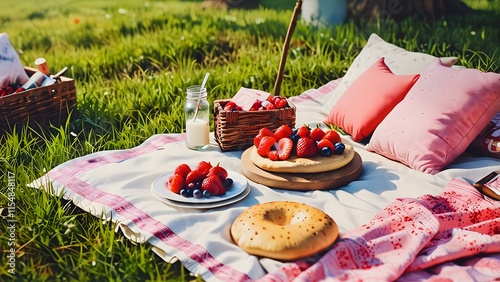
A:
x: 400, y: 62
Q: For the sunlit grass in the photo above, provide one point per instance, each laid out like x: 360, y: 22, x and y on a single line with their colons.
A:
x: 132, y: 61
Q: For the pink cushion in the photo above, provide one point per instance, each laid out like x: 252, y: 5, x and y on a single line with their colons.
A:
x: 369, y: 99
x: 439, y: 117
x: 399, y: 60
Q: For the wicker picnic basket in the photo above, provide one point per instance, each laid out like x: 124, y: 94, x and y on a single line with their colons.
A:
x: 39, y: 106
x: 235, y: 130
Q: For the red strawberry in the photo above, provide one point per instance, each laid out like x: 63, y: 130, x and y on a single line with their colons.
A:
x: 194, y: 176
x: 317, y: 134
x: 306, y: 147
x: 325, y: 143
x: 265, y: 145
x: 282, y: 132
x: 303, y: 131
x: 182, y: 169
x: 262, y: 132
x: 175, y: 183
x: 274, y: 98
x: 280, y: 103
x: 9, y: 89
x: 203, y: 167
x: 213, y: 184
x: 333, y: 136
x: 273, y: 155
x: 285, y: 146
x: 256, y: 105
x: 219, y: 171
x: 270, y: 106
x: 230, y: 106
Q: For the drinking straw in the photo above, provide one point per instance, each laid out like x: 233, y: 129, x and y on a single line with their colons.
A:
x: 199, y: 98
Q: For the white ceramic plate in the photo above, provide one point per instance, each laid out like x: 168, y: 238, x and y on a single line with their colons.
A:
x: 212, y: 205
x: 160, y: 189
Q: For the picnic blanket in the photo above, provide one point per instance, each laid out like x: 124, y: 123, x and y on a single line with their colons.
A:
x: 394, y: 222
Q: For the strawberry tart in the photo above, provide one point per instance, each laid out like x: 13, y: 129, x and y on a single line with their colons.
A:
x: 300, y: 150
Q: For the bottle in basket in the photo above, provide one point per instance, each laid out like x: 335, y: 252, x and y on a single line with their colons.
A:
x: 197, y: 112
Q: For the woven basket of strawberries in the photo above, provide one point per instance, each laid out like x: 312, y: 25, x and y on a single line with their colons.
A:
x: 235, y: 128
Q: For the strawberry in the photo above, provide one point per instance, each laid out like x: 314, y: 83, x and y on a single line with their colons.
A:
x: 176, y: 183
x: 333, y: 136
x: 306, y: 147
x: 182, y: 169
x: 285, y: 146
x: 270, y: 106
x: 262, y: 132
x: 219, y: 171
x: 317, y: 134
x: 9, y: 89
x: 273, y: 155
x: 265, y: 145
x: 256, y: 104
x: 303, y: 131
x: 194, y: 176
x: 280, y: 103
x: 203, y: 167
x: 213, y: 185
x: 274, y: 98
x: 325, y: 143
x: 282, y: 132
x: 230, y: 106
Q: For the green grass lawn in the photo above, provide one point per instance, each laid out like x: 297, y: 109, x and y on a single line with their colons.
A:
x: 132, y: 61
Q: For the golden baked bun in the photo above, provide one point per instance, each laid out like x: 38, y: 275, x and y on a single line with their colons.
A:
x: 284, y: 230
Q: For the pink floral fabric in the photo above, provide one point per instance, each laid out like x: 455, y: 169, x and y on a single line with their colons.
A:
x: 455, y: 235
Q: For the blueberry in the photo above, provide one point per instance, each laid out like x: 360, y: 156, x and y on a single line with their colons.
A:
x: 206, y: 194
x: 339, y: 148
x: 183, y: 192
x: 294, y: 138
x: 197, y: 193
x: 326, y: 152
x: 228, y: 183
x: 189, y: 192
x: 197, y: 185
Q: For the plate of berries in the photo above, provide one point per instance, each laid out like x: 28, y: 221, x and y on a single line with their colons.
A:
x: 205, y: 183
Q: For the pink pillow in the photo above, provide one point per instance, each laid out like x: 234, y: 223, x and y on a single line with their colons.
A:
x: 399, y: 60
x: 439, y: 117
x: 369, y: 99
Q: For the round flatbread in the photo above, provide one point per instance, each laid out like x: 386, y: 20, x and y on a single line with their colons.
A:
x: 284, y: 230
x: 313, y: 164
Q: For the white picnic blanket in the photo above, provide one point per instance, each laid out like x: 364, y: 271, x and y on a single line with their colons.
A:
x: 116, y: 185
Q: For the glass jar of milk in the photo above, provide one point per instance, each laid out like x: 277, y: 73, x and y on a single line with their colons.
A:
x: 197, y: 112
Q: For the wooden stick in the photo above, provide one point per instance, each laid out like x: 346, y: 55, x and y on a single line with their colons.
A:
x: 286, y: 45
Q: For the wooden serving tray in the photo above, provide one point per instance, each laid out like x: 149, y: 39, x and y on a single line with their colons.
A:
x: 302, y: 181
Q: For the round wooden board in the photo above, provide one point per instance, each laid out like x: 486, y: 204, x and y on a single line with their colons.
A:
x: 302, y: 181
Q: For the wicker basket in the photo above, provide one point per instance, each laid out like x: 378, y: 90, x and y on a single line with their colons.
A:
x: 38, y: 106
x: 235, y: 130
